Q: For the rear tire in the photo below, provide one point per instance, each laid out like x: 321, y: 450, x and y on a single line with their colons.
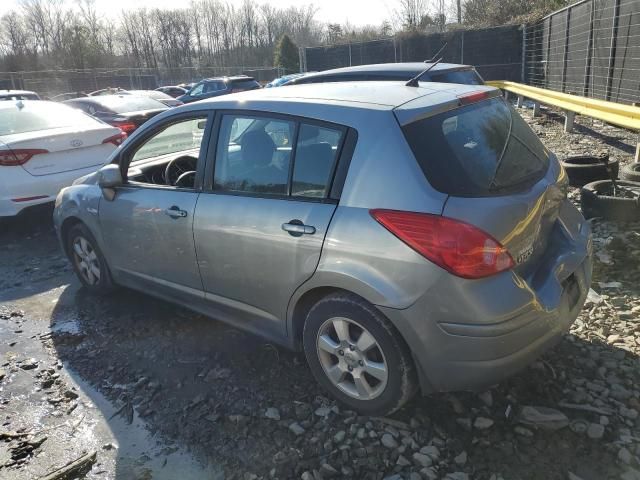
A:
x: 355, y: 353
x: 88, y: 261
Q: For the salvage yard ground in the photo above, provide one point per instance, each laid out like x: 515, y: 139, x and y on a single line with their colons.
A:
x: 130, y: 387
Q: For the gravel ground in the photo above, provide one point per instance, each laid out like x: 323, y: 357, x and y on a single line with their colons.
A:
x: 153, y: 389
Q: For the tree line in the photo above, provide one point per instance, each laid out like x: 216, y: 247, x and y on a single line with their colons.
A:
x: 72, y: 34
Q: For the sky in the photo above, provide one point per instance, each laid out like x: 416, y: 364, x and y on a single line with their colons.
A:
x: 357, y: 12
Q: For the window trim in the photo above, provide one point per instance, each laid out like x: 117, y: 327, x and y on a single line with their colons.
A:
x: 298, y: 120
x: 123, y: 159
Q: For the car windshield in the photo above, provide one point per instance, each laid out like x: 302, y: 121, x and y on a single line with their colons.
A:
x: 477, y: 150
x: 35, y: 116
x: 128, y: 103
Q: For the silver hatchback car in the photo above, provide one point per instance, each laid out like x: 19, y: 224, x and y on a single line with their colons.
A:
x: 404, y: 237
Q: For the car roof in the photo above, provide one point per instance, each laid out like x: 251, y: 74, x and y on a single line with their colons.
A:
x: 379, y: 94
x: 16, y: 92
x: 232, y: 78
x: 395, y: 67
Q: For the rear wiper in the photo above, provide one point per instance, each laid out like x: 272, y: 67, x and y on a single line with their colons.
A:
x: 414, y: 82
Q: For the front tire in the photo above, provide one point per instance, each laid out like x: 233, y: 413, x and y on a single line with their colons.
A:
x: 88, y: 262
x: 355, y: 353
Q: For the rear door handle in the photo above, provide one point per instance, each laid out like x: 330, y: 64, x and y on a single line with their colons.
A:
x: 297, y: 228
x: 175, y: 212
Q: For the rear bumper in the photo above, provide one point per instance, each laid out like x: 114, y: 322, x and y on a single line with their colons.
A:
x: 19, y: 184
x: 493, y: 328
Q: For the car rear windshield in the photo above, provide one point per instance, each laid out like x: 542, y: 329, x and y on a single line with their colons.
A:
x: 128, y: 103
x: 39, y: 115
x: 467, y: 77
x: 478, y: 150
x: 246, y: 84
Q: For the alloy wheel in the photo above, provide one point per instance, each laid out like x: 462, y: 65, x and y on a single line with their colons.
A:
x: 351, y: 358
x: 86, y: 260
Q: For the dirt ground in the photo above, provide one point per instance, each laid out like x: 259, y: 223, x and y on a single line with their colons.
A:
x: 130, y: 387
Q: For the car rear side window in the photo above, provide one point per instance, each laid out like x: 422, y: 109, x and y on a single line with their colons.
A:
x: 244, y: 84
x: 478, y: 150
x: 316, y: 153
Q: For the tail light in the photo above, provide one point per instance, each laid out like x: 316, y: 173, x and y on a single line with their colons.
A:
x: 116, y: 139
x: 458, y: 247
x: 126, y: 127
x: 12, y: 158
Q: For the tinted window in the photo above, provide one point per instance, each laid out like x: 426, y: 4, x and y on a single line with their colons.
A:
x: 468, y: 77
x: 40, y: 115
x: 245, y: 84
x: 253, y: 155
x: 480, y: 149
x: 316, y: 153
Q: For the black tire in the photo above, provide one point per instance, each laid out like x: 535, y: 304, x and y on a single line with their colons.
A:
x: 596, y: 201
x: 102, y: 284
x: 401, y: 382
x: 583, y: 169
x: 631, y: 172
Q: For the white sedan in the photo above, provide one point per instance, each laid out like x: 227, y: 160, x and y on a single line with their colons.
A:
x: 45, y: 146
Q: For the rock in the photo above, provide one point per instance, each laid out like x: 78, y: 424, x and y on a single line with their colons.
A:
x: 296, y: 428
x: 28, y: 364
x: 630, y: 474
x: 339, y: 437
x: 456, y: 476
x: 272, y: 413
x: 323, y: 411
x: 483, y: 423
x: 573, y: 476
x: 422, y: 459
x: 328, y: 471
x: 307, y: 476
x: 522, y: 431
x: 579, y: 426
x: 486, y: 398
x: 429, y: 473
x: 543, y: 417
x: 431, y: 451
x: 464, y: 423
x: 461, y: 459
x: 402, y: 461
x: 2, y: 374
x: 70, y: 394
x: 625, y: 456
x: 388, y: 441
x: 595, y: 431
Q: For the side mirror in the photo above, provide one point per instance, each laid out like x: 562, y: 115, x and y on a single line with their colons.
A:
x: 109, y: 177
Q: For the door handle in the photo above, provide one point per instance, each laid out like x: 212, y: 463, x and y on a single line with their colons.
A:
x: 297, y: 228
x: 175, y: 212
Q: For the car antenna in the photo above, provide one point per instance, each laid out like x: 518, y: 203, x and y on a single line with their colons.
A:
x: 437, y: 53
x: 414, y: 82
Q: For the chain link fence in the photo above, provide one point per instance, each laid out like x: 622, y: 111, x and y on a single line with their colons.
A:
x: 591, y: 48
x: 495, y: 52
x: 49, y: 83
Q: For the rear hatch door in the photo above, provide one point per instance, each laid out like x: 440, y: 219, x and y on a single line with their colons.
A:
x: 498, y: 175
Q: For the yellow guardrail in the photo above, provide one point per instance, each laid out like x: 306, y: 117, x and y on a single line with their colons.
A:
x: 625, y: 116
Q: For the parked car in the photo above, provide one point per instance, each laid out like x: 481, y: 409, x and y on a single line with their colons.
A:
x: 45, y: 146
x: 278, y: 82
x: 214, y: 87
x: 109, y: 91
x: 68, y: 96
x: 18, y: 95
x: 161, y: 97
x: 403, y: 237
x: 173, y: 91
x: 127, y: 112
x: 441, y: 72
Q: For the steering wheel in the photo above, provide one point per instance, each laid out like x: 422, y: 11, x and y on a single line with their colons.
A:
x: 187, y: 179
x: 177, y: 167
